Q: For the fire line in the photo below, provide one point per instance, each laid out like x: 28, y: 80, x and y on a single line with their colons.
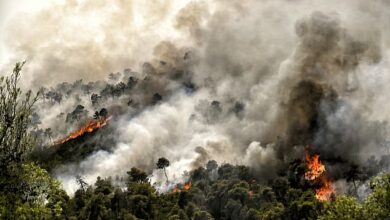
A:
x: 89, y: 127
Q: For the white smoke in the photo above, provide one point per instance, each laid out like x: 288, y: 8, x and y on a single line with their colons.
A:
x: 248, y: 53
x: 170, y: 130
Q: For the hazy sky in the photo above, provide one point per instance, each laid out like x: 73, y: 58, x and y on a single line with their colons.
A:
x: 82, y: 38
x: 15, y: 8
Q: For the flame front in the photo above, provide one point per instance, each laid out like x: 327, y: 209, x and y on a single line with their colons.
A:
x: 316, y: 173
x: 89, y: 127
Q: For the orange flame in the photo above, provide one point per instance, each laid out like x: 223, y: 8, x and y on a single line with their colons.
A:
x: 89, y: 127
x: 186, y: 187
x: 314, y: 167
x: 325, y: 192
x: 315, y: 172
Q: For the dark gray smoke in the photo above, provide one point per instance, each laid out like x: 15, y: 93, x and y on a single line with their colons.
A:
x: 245, y: 82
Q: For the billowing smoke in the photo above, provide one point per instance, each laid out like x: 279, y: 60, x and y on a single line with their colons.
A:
x: 245, y: 82
x: 87, y: 38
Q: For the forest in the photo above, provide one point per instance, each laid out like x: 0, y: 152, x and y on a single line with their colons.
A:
x: 215, y: 191
x: 195, y: 110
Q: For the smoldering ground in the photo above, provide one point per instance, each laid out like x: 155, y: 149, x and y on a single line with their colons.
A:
x: 246, y: 82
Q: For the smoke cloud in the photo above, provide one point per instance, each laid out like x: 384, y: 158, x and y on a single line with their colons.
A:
x: 245, y: 82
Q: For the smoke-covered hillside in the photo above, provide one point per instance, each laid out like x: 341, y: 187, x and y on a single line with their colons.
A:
x: 263, y: 84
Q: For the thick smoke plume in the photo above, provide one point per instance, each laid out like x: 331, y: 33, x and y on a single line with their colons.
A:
x: 246, y: 82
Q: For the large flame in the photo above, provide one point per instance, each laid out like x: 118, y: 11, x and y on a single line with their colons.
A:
x: 325, y: 192
x: 316, y: 172
x: 314, y: 167
x: 89, y: 127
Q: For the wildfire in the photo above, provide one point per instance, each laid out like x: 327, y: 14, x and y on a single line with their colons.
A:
x: 325, y: 192
x: 314, y: 167
x: 186, y: 187
x: 316, y: 173
x: 89, y: 127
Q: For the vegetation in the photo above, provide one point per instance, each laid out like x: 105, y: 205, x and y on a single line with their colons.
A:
x: 162, y: 163
x: 217, y: 191
x: 26, y: 190
x: 232, y: 195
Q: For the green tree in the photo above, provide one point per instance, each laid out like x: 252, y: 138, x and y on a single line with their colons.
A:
x: 253, y: 214
x: 377, y: 204
x: 15, y: 112
x: 352, y: 175
x: 344, y: 207
x: 42, y: 197
x: 280, y: 186
x: 162, y: 163
x: 211, y: 165
x: 137, y: 175
x: 103, y: 186
x: 304, y: 207
x: 202, y: 215
x: 26, y: 190
x: 274, y: 212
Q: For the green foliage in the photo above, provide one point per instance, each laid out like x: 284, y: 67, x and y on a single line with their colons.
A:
x: 230, y: 196
x: 163, y: 163
x: 42, y: 196
x: 15, y: 112
x: 344, y: 207
x: 274, y: 212
x: 26, y: 190
x: 202, y: 215
x: 377, y: 204
x: 306, y: 206
x: 137, y: 175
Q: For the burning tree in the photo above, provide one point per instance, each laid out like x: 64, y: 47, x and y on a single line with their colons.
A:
x: 182, y: 188
x: 314, y: 167
x: 162, y: 163
x: 315, y: 173
x: 89, y: 127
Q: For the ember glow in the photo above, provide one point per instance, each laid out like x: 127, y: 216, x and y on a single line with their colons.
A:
x: 186, y: 187
x: 89, y: 127
x: 316, y: 173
